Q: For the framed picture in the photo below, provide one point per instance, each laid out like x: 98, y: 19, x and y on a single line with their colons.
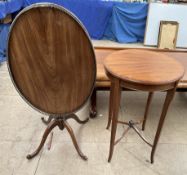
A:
x: 168, y: 32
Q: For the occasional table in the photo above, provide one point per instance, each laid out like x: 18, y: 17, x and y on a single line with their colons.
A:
x: 145, y: 71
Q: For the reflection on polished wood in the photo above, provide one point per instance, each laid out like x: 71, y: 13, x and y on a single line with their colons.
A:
x: 140, y: 70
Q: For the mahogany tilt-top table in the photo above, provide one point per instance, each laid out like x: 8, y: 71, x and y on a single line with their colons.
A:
x: 145, y: 71
x: 52, y: 66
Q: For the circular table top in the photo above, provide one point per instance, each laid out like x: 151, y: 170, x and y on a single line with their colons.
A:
x: 143, y: 67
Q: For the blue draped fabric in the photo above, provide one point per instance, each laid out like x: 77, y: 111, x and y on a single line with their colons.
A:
x: 122, y: 22
x: 127, y: 23
x: 4, y: 29
x: 94, y: 14
x: 10, y: 6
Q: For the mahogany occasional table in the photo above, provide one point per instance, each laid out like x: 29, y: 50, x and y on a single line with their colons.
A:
x: 145, y: 71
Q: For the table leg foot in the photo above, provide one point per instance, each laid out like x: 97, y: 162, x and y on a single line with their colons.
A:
x: 152, y: 158
x: 46, y: 122
x: 46, y: 133
x: 69, y: 129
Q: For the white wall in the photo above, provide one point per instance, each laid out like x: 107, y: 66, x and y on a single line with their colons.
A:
x: 166, y: 12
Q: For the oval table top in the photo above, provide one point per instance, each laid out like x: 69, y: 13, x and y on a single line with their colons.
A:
x: 143, y: 67
x: 51, y: 61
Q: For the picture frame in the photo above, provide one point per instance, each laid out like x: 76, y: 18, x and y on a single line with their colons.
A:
x: 166, y: 12
x: 168, y: 33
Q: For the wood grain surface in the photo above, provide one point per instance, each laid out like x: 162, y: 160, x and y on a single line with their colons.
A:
x: 51, y: 59
x: 144, y: 67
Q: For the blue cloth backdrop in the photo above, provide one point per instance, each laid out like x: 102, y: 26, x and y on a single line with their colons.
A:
x: 4, y: 29
x: 94, y: 14
x: 10, y: 6
x: 127, y: 23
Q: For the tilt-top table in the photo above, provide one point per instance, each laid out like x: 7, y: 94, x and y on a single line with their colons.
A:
x: 145, y: 71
